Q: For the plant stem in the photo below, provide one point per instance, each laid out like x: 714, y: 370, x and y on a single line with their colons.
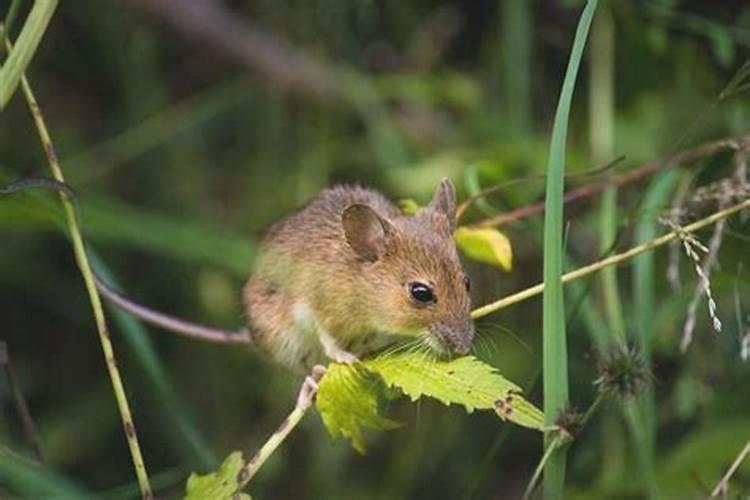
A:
x: 306, y: 397
x: 636, y: 174
x: 609, y: 261
x: 101, y: 325
x: 254, y: 464
x: 601, y: 140
x: 723, y: 485
x: 555, y: 444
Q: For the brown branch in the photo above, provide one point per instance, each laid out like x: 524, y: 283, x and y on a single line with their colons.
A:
x: 636, y: 174
x: 211, y: 24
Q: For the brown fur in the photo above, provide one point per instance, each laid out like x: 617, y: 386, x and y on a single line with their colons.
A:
x: 343, y: 265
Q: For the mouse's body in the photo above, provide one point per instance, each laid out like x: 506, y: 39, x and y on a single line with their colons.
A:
x: 344, y: 276
x: 349, y: 273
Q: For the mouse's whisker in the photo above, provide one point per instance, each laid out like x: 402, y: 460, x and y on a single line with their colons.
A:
x: 400, y: 347
x: 487, y: 328
x: 487, y: 344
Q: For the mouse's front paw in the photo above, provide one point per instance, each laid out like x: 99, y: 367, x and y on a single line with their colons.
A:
x: 341, y: 356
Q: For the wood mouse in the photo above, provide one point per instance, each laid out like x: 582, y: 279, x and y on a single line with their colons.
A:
x: 344, y: 276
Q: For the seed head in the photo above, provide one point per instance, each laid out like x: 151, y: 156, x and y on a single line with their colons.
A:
x: 623, y: 372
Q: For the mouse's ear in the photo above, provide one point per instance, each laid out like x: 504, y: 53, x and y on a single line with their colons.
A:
x: 444, y: 201
x: 366, y: 231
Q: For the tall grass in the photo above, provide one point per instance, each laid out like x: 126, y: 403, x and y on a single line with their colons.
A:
x: 555, y: 351
x: 20, y: 56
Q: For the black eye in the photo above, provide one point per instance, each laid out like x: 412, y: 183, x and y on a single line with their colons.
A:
x: 421, y: 293
x: 467, y: 283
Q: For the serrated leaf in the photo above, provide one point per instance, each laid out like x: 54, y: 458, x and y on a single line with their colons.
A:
x: 348, y: 403
x: 466, y: 381
x: 485, y: 245
x: 220, y: 485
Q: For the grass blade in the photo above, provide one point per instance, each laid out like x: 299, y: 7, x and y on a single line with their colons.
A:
x: 20, y: 56
x: 30, y: 480
x: 555, y: 363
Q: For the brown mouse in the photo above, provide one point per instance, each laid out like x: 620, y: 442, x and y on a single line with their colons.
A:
x: 347, y: 275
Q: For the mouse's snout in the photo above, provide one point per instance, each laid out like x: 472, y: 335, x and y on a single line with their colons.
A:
x: 456, y: 335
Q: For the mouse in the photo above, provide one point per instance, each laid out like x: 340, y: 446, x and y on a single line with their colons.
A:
x: 347, y: 275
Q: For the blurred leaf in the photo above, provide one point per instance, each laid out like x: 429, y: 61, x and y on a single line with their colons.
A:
x: 189, y: 240
x: 451, y: 88
x: 409, y: 206
x: 485, y: 245
x: 348, y: 402
x: 219, y: 485
x: 703, y: 456
x: 107, y: 220
x: 466, y: 381
x: 30, y: 480
x: 474, y: 188
x: 723, y: 47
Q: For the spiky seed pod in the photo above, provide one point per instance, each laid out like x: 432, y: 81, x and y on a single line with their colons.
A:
x: 570, y: 421
x: 623, y: 371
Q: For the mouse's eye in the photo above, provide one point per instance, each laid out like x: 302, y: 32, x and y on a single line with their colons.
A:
x: 421, y: 293
x: 467, y: 283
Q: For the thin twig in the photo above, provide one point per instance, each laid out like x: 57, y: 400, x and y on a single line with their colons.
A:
x: 24, y: 414
x: 644, y: 171
x: 306, y: 397
x: 609, y: 261
x: 83, y: 264
x: 556, y: 443
x: 723, y: 485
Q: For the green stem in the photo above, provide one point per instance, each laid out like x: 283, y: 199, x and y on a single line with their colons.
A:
x: 554, y: 445
x: 601, y: 139
x: 101, y: 325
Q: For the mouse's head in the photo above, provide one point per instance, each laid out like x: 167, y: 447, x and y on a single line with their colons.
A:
x: 413, y: 279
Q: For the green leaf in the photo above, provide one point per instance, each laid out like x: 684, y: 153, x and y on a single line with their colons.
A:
x: 349, y: 394
x: 466, y: 381
x: 219, y: 485
x: 409, y: 207
x: 485, y: 245
x: 348, y: 402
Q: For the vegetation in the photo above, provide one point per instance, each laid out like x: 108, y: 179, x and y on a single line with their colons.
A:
x: 173, y: 135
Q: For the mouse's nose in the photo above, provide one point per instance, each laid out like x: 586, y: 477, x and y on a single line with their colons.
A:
x: 458, y: 335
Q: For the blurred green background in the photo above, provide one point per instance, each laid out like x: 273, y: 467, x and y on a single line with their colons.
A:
x: 186, y: 128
